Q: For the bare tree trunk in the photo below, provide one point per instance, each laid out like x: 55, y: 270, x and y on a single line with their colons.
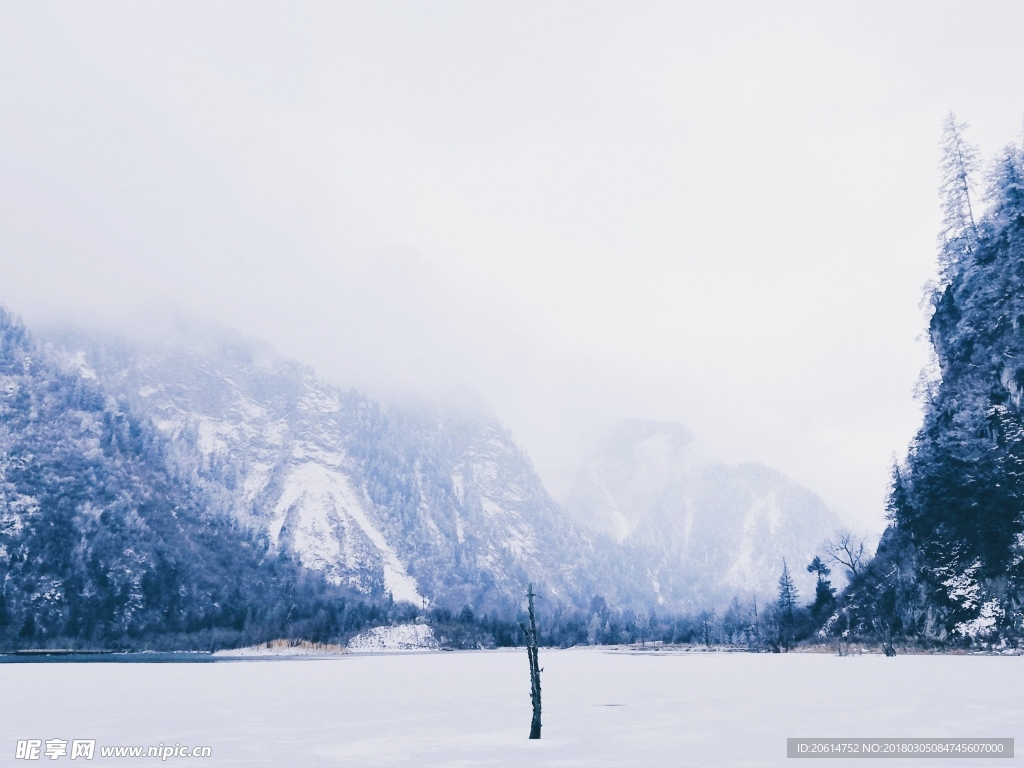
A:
x: 887, y: 647
x: 531, y: 651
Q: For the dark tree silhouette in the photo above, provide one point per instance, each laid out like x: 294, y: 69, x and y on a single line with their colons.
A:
x: 531, y: 652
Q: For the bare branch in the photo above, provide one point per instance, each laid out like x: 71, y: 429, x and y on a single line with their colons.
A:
x: 848, y: 550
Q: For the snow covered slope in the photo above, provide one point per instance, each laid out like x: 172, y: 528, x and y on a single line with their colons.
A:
x: 428, y: 507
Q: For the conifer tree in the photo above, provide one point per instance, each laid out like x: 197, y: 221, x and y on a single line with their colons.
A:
x: 958, y: 166
x: 787, y: 594
x: 819, y: 568
x: 824, y: 594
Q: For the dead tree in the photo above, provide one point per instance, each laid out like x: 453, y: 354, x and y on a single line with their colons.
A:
x: 887, y: 646
x: 535, y: 670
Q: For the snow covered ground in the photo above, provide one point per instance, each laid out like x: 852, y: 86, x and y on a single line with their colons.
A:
x: 601, y: 708
x: 282, y: 648
x: 405, y: 637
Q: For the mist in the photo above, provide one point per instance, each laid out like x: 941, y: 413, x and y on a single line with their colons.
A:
x: 574, y: 213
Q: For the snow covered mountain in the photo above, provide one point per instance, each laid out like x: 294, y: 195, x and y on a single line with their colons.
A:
x: 705, y: 530
x: 440, y: 507
x: 424, y: 505
x: 102, y: 543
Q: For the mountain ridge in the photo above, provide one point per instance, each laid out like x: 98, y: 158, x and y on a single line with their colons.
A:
x: 422, y: 504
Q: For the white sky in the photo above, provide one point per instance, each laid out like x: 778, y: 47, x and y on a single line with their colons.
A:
x: 718, y: 213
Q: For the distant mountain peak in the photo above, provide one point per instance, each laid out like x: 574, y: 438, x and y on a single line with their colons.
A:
x: 707, y: 529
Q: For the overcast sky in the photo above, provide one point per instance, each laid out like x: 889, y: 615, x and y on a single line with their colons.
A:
x: 717, y: 213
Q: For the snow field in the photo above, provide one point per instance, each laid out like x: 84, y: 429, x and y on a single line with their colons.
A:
x: 601, y: 708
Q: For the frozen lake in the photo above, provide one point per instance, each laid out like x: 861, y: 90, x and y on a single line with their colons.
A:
x: 473, y: 709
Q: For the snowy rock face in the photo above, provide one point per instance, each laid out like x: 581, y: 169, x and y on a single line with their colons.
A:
x: 706, y: 531
x: 264, y: 442
x: 427, y: 507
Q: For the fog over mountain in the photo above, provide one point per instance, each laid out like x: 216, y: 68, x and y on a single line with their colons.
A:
x: 705, y: 530
x: 719, y: 214
x: 439, y: 505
